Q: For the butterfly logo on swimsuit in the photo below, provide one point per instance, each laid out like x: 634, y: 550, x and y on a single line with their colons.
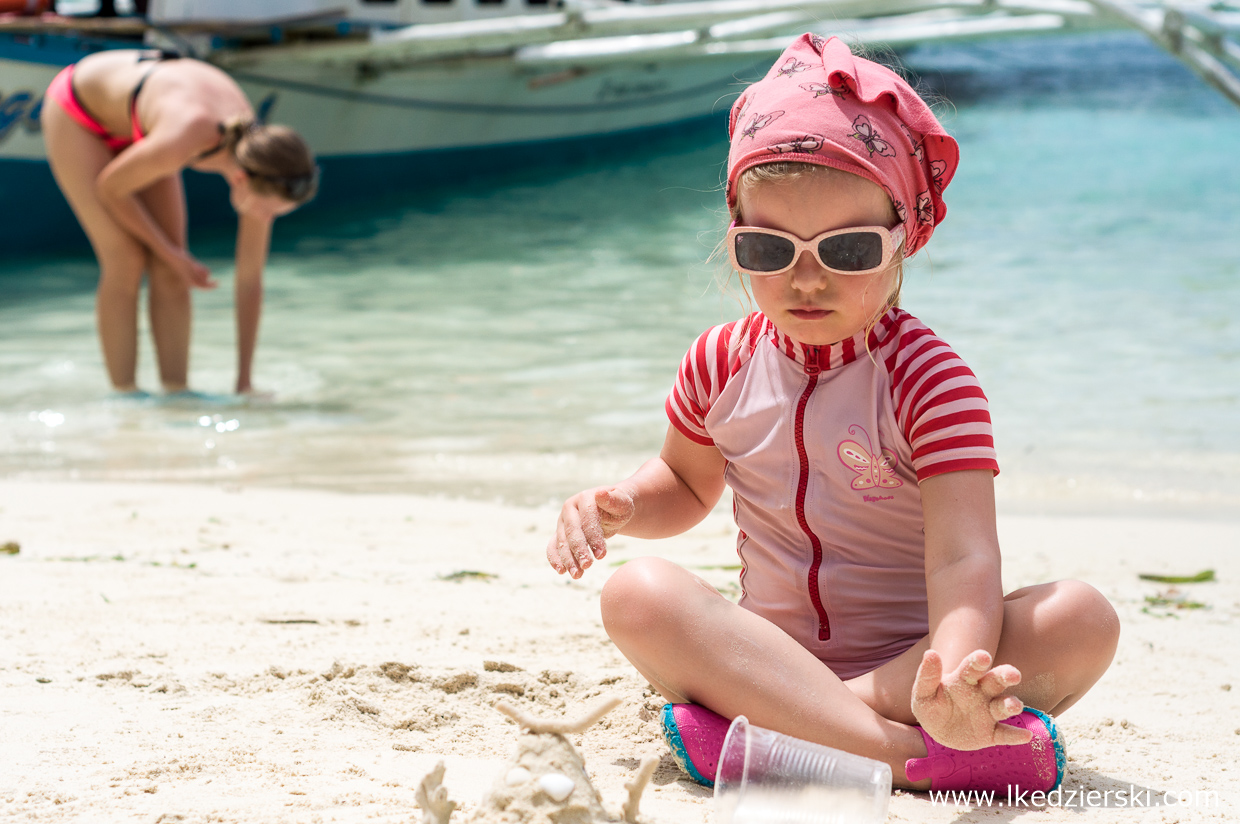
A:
x: 760, y: 121
x: 925, y: 211
x: 806, y: 144
x: 873, y: 470
x: 819, y: 89
x: 867, y: 134
x: 791, y: 66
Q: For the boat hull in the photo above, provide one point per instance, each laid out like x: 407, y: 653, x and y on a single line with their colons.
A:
x: 379, y: 130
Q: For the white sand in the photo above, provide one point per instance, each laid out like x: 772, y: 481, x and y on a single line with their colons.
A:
x: 192, y: 654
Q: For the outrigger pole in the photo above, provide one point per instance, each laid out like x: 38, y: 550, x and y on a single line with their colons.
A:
x: 1197, y: 35
x: 1200, y: 33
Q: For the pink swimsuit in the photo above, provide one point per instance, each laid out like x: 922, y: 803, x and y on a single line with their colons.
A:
x: 826, y: 446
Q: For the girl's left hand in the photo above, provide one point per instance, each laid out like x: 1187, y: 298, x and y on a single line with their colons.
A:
x: 963, y: 709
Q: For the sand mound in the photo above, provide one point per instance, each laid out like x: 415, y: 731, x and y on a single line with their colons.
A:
x: 544, y: 782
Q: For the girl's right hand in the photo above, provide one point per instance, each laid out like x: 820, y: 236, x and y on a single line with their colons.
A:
x: 586, y: 521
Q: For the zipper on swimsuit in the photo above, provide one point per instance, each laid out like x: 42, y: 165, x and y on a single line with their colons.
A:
x: 814, y: 357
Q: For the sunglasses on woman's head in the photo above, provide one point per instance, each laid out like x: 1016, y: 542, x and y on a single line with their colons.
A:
x: 859, y: 251
x: 295, y: 188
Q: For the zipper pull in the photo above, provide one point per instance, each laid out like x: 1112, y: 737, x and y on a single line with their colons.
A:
x: 813, y: 359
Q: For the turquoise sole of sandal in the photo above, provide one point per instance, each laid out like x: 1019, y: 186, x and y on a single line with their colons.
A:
x: 672, y: 734
x: 1061, y: 757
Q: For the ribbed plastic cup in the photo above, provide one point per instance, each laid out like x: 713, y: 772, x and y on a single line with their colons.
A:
x: 768, y: 778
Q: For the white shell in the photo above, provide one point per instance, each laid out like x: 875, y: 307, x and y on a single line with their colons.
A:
x: 557, y: 785
x: 517, y: 776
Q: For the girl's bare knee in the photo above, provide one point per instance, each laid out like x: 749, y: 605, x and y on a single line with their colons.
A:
x: 1094, y: 616
x: 1076, y: 619
x: 646, y: 596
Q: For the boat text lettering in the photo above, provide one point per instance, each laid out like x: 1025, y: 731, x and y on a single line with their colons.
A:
x: 616, y: 90
x: 19, y: 107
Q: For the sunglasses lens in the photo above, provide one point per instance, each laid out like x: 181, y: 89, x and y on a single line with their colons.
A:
x: 852, y: 252
x: 760, y: 252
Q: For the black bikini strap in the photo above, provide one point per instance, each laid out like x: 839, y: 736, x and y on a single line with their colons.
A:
x: 218, y: 146
x: 158, y: 55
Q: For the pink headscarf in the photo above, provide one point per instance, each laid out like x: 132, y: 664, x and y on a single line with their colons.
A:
x: 820, y: 104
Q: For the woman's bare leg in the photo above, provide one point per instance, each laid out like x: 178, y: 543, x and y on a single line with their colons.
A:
x: 76, y: 157
x: 694, y: 645
x: 169, y: 300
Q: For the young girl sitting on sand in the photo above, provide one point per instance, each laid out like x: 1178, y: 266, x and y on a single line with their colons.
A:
x: 859, y: 451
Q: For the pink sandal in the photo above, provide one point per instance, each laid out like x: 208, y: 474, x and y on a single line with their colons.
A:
x: 1035, y: 766
x: 695, y: 735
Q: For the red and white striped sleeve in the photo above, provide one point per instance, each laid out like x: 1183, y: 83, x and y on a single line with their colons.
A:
x: 714, y: 357
x: 939, y: 403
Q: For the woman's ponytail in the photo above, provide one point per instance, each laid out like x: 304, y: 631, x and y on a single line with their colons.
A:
x: 235, y: 130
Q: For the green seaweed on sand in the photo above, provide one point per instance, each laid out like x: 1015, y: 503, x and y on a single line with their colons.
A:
x: 85, y: 559
x: 1199, y: 578
x: 471, y: 574
x: 10, y: 548
x: 1168, y: 602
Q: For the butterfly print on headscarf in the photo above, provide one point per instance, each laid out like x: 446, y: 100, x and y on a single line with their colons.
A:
x: 791, y: 66
x: 817, y: 42
x: 806, y: 144
x: 759, y: 122
x: 901, y: 215
x: 872, y: 468
x: 938, y: 168
x: 867, y: 134
x: 917, y: 150
x: 925, y: 212
x: 741, y: 107
x: 819, y: 89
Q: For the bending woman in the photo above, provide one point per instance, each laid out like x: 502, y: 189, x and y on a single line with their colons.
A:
x: 119, y: 128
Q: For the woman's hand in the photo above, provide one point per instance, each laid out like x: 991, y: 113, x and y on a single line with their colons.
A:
x: 195, y: 273
x: 586, y: 521
x: 963, y: 709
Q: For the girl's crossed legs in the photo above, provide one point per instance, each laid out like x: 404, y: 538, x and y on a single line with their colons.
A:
x: 693, y: 645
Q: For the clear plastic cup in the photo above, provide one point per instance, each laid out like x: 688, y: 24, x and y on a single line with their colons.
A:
x: 768, y: 778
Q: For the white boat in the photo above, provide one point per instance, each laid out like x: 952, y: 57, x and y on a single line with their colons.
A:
x: 398, y: 93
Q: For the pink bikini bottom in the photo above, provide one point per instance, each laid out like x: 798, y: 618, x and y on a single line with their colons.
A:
x: 61, y: 90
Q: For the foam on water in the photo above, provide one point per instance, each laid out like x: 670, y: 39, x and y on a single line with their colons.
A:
x: 518, y: 340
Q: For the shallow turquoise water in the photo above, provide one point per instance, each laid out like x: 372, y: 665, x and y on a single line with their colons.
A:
x: 517, y: 340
